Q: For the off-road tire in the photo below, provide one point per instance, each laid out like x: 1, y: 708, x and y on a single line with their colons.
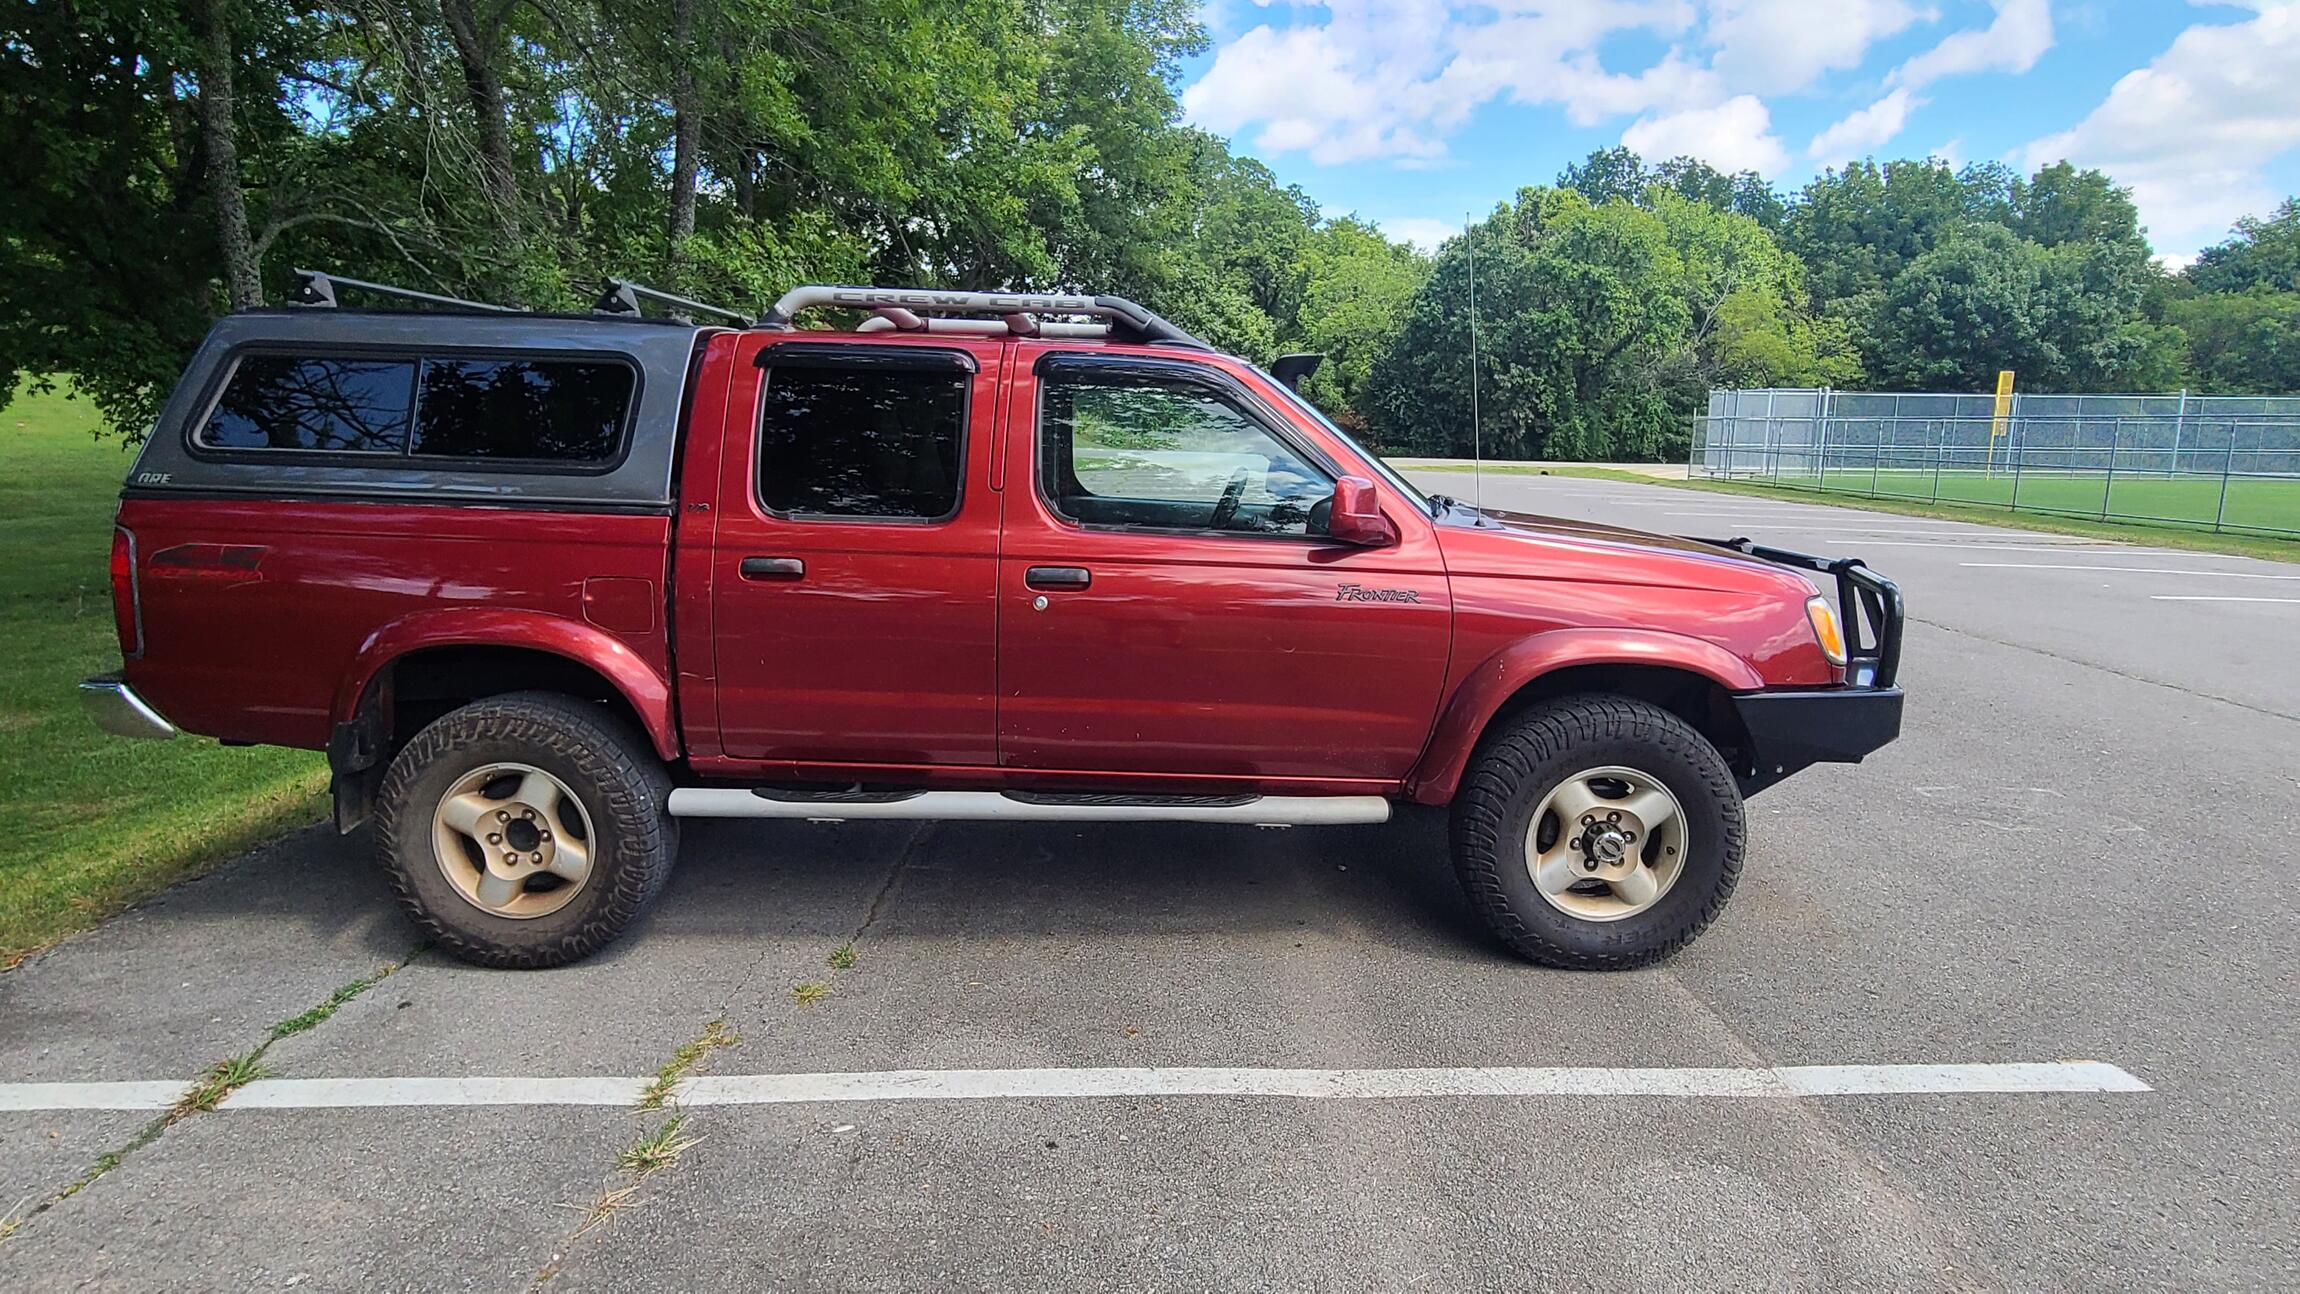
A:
x: 1516, y: 767
x: 623, y: 788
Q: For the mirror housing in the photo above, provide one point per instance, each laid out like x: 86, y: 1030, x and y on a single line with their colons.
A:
x: 1357, y: 518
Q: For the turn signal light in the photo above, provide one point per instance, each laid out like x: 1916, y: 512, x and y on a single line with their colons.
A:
x: 1826, y: 629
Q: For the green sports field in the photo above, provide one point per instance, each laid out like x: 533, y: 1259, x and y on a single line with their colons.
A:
x: 2254, y: 505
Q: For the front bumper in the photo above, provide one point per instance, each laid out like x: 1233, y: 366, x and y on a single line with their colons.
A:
x: 1794, y: 728
x: 114, y: 706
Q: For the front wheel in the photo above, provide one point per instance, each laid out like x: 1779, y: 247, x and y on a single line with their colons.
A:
x: 1598, y: 833
x: 525, y: 830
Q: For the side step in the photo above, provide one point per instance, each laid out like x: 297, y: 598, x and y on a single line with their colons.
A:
x: 1030, y: 806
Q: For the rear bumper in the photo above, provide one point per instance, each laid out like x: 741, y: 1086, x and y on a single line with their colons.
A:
x: 114, y: 706
x: 1792, y: 730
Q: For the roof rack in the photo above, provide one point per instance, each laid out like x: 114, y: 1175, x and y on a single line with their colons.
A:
x: 622, y: 297
x: 317, y: 289
x: 898, y: 309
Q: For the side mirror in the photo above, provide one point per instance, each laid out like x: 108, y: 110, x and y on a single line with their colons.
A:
x: 1357, y: 515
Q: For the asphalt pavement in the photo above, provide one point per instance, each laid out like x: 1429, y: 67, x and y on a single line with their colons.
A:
x: 2081, y: 849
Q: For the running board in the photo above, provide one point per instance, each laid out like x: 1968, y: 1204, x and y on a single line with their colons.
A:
x: 1027, y: 806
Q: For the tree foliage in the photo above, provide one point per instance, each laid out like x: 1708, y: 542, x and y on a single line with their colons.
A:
x: 172, y: 162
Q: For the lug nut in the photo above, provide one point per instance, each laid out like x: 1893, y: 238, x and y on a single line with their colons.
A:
x: 1613, y: 815
x: 536, y: 859
x: 494, y: 837
x: 1588, y: 818
x: 501, y: 816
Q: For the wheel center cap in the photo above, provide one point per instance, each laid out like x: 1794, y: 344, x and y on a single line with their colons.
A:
x: 522, y: 834
x: 1607, y: 844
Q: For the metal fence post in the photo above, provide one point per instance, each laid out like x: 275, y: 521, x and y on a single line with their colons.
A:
x: 2014, y: 449
x: 2179, y: 425
x: 1940, y: 445
x: 1772, y: 434
x: 1821, y: 439
x: 2108, y: 486
x: 2220, y: 514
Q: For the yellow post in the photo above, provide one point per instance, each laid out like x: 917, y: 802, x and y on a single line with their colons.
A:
x: 2001, y: 424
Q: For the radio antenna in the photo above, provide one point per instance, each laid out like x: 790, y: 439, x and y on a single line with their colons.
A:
x: 1476, y: 430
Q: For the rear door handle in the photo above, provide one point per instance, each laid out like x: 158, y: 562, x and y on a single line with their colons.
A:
x: 773, y: 568
x: 1058, y: 577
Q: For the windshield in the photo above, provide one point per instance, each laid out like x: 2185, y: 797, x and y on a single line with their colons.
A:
x: 1372, y: 459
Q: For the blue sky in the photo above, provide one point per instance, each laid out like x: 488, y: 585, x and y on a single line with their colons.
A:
x: 1413, y: 112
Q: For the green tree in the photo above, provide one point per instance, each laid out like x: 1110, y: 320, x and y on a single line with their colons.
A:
x: 2243, y: 343
x: 1857, y: 228
x: 1576, y: 306
x: 1357, y: 286
x: 2061, y: 204
x: 2263, y: 254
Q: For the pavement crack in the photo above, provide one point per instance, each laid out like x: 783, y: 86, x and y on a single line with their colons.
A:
x: 214, y: 1085
x: 845, y: 955
x: 2108, y: 669
x: 657, y: 1149
x: 1928, y: 1227
x: 902, y: 859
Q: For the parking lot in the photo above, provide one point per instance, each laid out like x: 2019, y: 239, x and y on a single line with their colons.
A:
x: 2079, y: 856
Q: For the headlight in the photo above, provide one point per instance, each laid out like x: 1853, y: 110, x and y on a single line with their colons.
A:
x: 1826, y: 629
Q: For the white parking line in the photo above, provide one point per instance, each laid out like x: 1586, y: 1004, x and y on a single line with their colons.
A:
x: 2199, y: 597
x: 2130, y: 570
x: 1778, y: 1083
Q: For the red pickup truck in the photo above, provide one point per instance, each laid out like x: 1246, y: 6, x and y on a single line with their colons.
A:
x: 541, y: 585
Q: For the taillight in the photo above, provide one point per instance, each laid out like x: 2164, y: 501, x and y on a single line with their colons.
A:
x: 127, y: 610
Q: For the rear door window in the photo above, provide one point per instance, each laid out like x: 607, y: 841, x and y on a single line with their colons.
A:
x: 879, y: 443
x: 545, y: 410
x: 289, y: 402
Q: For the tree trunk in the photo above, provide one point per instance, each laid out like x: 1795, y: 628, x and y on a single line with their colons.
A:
x: 686, y: 127
x: 243, y: 285
x: 476, y: 42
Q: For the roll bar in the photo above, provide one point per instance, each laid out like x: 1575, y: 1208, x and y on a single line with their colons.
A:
x: 1016, y: 313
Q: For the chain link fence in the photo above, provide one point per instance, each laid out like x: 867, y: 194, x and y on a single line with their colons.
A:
x: 2221, y: 463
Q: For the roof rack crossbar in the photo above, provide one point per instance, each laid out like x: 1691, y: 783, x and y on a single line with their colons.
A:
x: 316, y: 288
x: 1124, y: 317
x: 622, y: 297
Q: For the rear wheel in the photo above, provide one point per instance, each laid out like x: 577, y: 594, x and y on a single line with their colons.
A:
x: 525, y: 830
x: 1598, y: 833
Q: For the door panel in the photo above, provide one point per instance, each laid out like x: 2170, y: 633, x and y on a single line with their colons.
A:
x: 844, y: 637
x: 1235, y: 655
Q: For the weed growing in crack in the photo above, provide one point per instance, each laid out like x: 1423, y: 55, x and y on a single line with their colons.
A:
x: 715, y: 1035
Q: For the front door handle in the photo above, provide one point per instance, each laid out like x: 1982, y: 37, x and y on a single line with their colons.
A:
x: 773, y: 568
x: 1058, y: 577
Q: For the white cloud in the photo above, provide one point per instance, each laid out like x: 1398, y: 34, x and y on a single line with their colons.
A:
x: 1390, y: 78
x: 1323, y: 90
x: 1351, y: 80
x: 1865, y: 129
x: 2190, y: 131
x: 2019, y: 36
x: 1778, y: 46
x: 1736, y: 135
x: 1422, y: 231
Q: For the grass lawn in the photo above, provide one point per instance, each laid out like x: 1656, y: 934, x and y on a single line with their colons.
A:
x: 2255, y: 503
x: 1987, y: 513
x: 91, y: 823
